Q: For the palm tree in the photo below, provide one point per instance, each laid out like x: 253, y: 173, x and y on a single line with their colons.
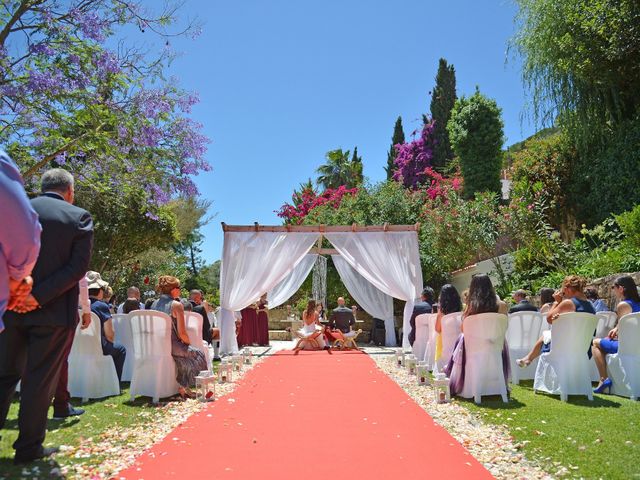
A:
x: 339, y: 169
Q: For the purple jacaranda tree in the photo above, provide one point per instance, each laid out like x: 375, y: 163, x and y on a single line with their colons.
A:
x: 75, y: 93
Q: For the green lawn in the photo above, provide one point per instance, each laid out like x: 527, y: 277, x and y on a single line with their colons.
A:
x: 109, y: 413
x: 599, y: 439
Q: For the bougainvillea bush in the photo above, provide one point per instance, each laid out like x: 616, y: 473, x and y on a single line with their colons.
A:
x: 414, y: 158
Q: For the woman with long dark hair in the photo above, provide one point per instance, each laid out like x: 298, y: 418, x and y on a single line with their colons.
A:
x: 626, y: 292
x: 310, y: 325
x: 449, y: 301
x: 482, y: 297
x: 546, y: 299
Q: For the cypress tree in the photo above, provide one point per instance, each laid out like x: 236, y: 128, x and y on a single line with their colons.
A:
x: 442, y: 102
x: 398, y: 137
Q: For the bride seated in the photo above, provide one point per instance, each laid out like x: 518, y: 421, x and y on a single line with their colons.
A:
x: 311, y: 334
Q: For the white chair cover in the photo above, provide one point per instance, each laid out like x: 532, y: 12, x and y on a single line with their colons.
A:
x: 484, y: 336
x: 252, y: 264
x: 124, y: 336
x: 389, y: 260
x: 419, y: 347
x: 565, y: 370
x: 154, y: 370
x: 91, y: 374
x: 430, y: 351
x: 451, y: 329
x: 375, y: 302
x: 522, y: 334
x: 284, y: 290
x: 624, y: 367
x: 193, y: 321
x: 606, y: 321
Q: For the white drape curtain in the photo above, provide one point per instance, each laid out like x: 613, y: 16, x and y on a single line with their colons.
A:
x: 252, y: 264
x: 389, y: 260
x: 290, y: 285
x: 375, y: 302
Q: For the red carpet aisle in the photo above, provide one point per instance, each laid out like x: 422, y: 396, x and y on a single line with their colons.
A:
x: 311, y: 416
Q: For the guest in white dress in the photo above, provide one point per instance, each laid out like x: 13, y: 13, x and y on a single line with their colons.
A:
x: 310, y: 326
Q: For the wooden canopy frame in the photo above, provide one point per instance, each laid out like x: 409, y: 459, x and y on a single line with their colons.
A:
x: 320, y: 228
x: 256, y: 227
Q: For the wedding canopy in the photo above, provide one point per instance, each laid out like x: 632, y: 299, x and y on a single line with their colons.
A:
x: 257, y: 259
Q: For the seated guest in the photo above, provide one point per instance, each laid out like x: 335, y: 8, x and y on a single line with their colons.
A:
x: 629, y: 302
x: 148, y: 303
x: 423, y: 306
x: 598, y: 304
x: 96, y: 287
x: 342, y: 317
x: 482, y: 298
x: 132, y: 292
x: 189, y: 360
x: 546, y: 299
x: 449, y: 301
x: 570, y: 298
x: 131, y: 304
x: 199, y: 305
x: 186, y: 304
x: 522, y: 304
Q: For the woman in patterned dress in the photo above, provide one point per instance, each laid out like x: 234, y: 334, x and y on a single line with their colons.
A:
x: 189, y: 360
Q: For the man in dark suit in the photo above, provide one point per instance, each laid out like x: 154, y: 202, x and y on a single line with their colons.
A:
x: 342, y: 317
x: 522, y: 304
x: 423, y: 306
x: 38, y: 335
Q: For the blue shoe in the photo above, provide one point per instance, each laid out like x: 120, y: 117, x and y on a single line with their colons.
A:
x: 605, y: 385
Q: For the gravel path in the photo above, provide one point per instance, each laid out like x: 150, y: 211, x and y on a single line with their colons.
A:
x: 491, y: 445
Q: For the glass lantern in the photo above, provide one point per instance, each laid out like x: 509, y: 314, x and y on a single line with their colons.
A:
x: 422, y: 373
x: 399, y: 357
x: 205, y: 387
x: 225, y: 372
x: 441, y: 388
x: 410, y: 362
x: 247, y: 354
x: 237, y: 362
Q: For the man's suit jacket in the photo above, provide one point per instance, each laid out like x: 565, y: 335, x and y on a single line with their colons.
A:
x: 523, y: 306
x: 65, y: 252
x: 418, y: 309
x: 342, y: 319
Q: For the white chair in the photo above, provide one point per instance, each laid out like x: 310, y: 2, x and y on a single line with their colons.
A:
x: 193, y: 322
x: 484, y: 336
x: 623, y: 367
x: 124, y: 336
x: 565, y: 370
x: 451, y: 329
x: 606, y: 321
x: 422, y: 335
x: 91, y: 374
x: 154, y: 370
x: 522, y: 334
x: 426, y: 349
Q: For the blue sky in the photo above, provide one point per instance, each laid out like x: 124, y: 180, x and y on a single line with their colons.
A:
x: 282, y: 82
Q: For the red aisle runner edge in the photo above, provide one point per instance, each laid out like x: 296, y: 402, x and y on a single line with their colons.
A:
x: 312, y: 416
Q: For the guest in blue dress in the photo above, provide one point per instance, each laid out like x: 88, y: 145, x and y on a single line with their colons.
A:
x: 599, y: 304
x: 627, y: 293
x: 570, y: 298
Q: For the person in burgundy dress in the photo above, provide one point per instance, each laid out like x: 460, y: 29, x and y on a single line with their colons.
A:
x: 262, y: 324
x: 248, y: 328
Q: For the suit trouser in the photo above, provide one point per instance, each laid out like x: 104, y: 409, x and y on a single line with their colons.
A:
x: 35, y: 355
x: 62, y: 395
x: 118, y: 353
